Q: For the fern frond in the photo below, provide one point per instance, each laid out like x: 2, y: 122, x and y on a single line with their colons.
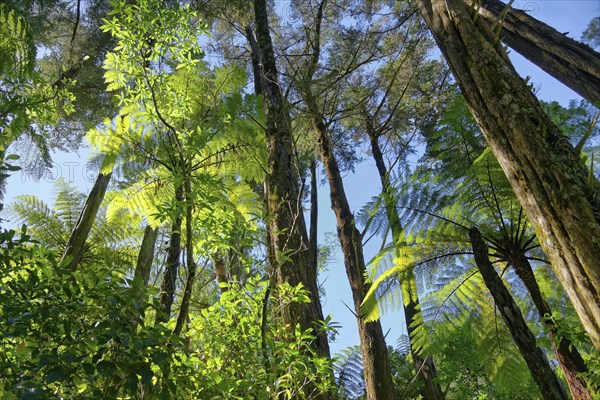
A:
x: 348, y: 369
x: 45, y: 224
x: 17, y: 50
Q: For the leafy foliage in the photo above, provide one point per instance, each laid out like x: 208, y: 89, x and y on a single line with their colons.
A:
x: 84, y: 335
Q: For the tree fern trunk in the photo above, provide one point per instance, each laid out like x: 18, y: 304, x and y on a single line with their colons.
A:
x: 190, y: 262
x: 569, y: 358
x: 571, y: 62
x: 167, y: 289
x: 376, y: 364
x: 76, y: 244
x: 424, y: 367
x: 145, y: 257
x: 535, y: 358
x: 548, y: 177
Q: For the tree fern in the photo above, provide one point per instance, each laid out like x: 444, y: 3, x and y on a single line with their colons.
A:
x: 436, y: 237
x: 111, y: 242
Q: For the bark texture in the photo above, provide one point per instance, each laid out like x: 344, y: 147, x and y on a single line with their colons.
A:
x: 546, y: 174
x: 424, y: 367
x: 287, y: 228
x: 540, y: 369
x: 76, y: 244
x: 376, y: 364
x: 573, y: 63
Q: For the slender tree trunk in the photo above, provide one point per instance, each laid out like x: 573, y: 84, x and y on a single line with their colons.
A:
x: 167, y: 289
x: 254, y: 55
x: 145, y: 257
x: 547, y: 175
x: 570, y: 360
x: 76, y: 244
x: 314, y: 215
x: 573, y: 63
x: 540, y: 369
x: 288, y: 234
x: 189, y: 256
x: 424, y: 367
x: 376, y: 364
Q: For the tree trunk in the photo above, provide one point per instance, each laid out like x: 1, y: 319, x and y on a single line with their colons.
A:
x: 288, y: 235
x: 547, y: 175
x: 410, y: 298
x: 314, y: 216
x: 190, y: 262
x: 76, y: 244
x: 571, y: 62
x: 570, y: 360
x: 145, y: 257
x: 537, y: 362
x: 167, y: 289
x: 220, y: 271
x: 376, y: 364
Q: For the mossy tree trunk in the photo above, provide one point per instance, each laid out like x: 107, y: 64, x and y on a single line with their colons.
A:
x: 573, y: 63
x: 546, y: 174
x: 145, y: 257
x: 376, y: 364
x: 287, y: 233
x: 169, y: 283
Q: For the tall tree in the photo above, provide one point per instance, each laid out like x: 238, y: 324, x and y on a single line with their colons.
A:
x: 287, y: 234
x: 549, y: 179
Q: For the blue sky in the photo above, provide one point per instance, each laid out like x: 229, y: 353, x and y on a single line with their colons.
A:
x: 565, y: 15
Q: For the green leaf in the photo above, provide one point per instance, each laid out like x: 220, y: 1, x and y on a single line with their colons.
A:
x: 56, y: 374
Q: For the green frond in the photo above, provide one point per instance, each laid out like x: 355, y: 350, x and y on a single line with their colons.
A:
x: 144, y: 197
x: 17, y: 51
x: 45, y: 224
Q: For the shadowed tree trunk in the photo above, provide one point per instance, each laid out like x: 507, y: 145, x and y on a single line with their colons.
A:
x: 540, y: 369
x: 192, y: 267
x: 287, y: 228
x: 76, y: 244
x: 145, y: 257
x: 167, y: 289
x: 314, y: 215
x: 569, y: 358
x: 546, y: 174
x: 573, y: 63
x: 424, y: 367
